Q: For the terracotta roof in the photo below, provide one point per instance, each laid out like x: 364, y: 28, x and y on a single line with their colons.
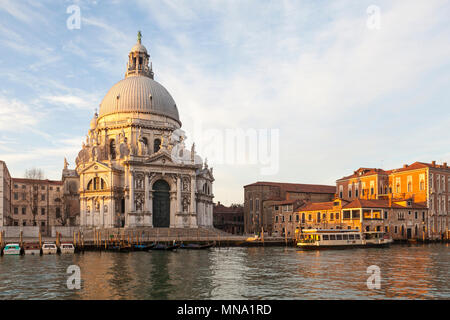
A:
x: 314, y: 206
x: 220, y: 208
x: 363, y: 172
x: 419, y: 165
x: 297, y: 187
x: 35, y: 181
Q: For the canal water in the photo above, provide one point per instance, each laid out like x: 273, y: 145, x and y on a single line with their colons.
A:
x: 406, y: 272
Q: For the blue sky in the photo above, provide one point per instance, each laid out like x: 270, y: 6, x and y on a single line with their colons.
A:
x: 342, y: 96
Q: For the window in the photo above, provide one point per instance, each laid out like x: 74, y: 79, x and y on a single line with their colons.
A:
x: 395, y: 229
x: 337, y: 215
x: 24, y: 210
x: 282, y: 218
x: 57, y: 189
x: 385, y: 215
x: 16, y: 210
x: 290, y: 218
x: 43, y: 211
x: 156, y: 145
x: 43, y: 223
x: 58, y: 212
x: 339, y: 237
x: 42, y: 197
x: 332, y: 237
x: 345, y: 237
x: 341, y: 191
x: 331, y: 216
x: 351, y: 237
x: 257, y: 205
x: 112, y: 149
x: 346, y: 214
x: 276, y: 208
x: 415, y: 215
x: 297, y: 218
x: 24, y: 223
x: 276, y: 219
x: 349, y: 190
x: 16, y: 186
x: 318, y: 216
x: 16, y: 196
x: 325, y: 237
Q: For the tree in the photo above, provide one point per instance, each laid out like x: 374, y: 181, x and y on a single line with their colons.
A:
x: 34, y: 173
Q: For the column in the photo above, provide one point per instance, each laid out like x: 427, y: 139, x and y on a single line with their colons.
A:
x: 192, y: 219
x: 147, y: 192
x: 173, y: 207
x: 179, y: 205
x: 102, y: 211
x: 132, y: 208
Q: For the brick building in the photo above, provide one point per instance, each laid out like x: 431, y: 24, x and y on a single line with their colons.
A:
x: 229, y: 219
x: 36, y: 203
x: 5, y: 195
x: 402, y: 219
x: 259, y: 198
x: 426, y: 184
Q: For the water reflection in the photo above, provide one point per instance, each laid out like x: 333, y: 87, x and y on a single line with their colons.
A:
x: 418, y: 272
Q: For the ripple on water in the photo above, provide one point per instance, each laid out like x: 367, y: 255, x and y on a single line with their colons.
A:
x: 407, y: 272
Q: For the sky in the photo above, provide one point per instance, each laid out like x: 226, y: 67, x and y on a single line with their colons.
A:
x: 333, y: 85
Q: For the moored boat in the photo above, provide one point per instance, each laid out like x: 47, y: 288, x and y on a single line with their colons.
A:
x: 196, y: 246
x: 67, y: 248
x: 341, y: 239
x: 161, y: 246
x: 12, y: 249
x: 32, y: 249
x: 49, y: 248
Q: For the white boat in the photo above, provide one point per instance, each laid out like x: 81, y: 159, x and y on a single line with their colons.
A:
x: 67, y: 248
x: 377, y: 238
x: 11, y: 249
x: 340, y: 238
x: 32, y: 249
x: 49, y: 248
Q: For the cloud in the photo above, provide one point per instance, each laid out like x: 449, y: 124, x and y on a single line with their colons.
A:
x: 15, y: 115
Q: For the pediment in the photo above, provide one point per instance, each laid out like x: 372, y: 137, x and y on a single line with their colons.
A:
x: 161, y: 158
x: 96, y: 167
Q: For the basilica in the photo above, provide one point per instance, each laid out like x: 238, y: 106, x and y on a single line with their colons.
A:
x: 134, y: 167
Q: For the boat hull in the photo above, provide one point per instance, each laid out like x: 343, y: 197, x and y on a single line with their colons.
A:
x: 33, y: 252
x: 49, y: 251
x: 11, y: 252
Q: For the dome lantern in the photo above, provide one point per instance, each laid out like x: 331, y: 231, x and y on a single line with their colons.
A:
x: 138, y: 60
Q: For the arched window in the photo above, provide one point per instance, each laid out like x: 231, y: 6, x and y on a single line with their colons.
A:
x: 96, y: 184
x: 156, y: 145
x: 112, y: 149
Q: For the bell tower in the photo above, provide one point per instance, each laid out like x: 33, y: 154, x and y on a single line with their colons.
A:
x: 138, y: 60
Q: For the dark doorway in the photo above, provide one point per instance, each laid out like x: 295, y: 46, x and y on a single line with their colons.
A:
x: 408, y: 233
x: 161, y: 204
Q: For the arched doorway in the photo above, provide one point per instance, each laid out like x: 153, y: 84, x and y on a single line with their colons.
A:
x: 161, y: 204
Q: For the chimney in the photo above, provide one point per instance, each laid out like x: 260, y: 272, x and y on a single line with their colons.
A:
x: 405, y: 166
x: 433, y: 163
x: 445, y: 165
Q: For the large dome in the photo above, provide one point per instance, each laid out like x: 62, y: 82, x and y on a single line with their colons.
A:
x: 139, y: 94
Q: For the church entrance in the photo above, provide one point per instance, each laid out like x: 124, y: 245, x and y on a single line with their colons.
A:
x: 161, y: 204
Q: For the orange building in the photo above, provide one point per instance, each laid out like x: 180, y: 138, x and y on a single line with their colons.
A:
x: 402, y: 219
x: 425, y: 184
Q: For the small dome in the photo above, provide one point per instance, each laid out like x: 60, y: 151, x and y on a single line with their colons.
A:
x: 139, y: 94
x: 139, y: 48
